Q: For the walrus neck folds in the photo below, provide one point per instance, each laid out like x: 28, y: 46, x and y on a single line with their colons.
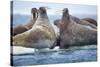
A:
x: 66, y: 19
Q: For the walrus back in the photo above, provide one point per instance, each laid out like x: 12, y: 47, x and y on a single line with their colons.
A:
x: 45, y: 23
x: 19, y: 29
x: 38, y: 37
x: 78, y: 35
x: 90, y: 20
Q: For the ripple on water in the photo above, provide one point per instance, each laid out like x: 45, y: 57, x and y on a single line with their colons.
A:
x: 56, y: 56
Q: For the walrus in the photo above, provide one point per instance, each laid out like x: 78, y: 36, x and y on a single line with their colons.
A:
x: 79, y: 21
x: 87, y: 23
x: 90, y: 20
x: 24, y: 27
x: 18, y: 29
x: 84, y: 22
x: 74, y: 34
x: 41, y: 35
x: 30, y: 24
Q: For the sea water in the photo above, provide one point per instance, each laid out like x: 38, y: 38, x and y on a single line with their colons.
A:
x: 54, y: 56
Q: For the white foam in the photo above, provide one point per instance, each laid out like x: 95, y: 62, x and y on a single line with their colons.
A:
x: 22, y: 50
x: 56, y: 48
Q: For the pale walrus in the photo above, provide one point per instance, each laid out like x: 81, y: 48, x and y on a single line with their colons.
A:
x: 41, y: 35
x: 74, y: 34
x: 22, y: 28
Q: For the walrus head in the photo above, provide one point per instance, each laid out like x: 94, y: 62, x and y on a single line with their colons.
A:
x: 66, y: 16
x: 33, y: 10
x: 34, y: 13
x: 65, y: 20
x: 42, y: 10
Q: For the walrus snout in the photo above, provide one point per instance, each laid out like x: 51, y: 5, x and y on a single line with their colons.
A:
x: 42, y: 10
x: 34, y: 12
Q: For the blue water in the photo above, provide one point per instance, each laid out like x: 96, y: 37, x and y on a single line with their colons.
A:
x: 55, y: 57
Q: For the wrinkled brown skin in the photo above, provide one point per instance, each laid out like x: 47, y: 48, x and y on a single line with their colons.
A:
x: 76, y: 20
x: 41, y: 35
x: 19, y: 29
x: 90, y: 20
x: 22, y: 28
x: 74, y: 34
x: 84, y: 22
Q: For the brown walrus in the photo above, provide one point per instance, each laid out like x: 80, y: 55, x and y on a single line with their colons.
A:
x: 74, y: 34
x: 41, y: 35
x: 29, y: 25
x: 22, y: 28
x: 79, y: 21
x: 90, y: 20
x: 18, y: 29
x: 83, y: 22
